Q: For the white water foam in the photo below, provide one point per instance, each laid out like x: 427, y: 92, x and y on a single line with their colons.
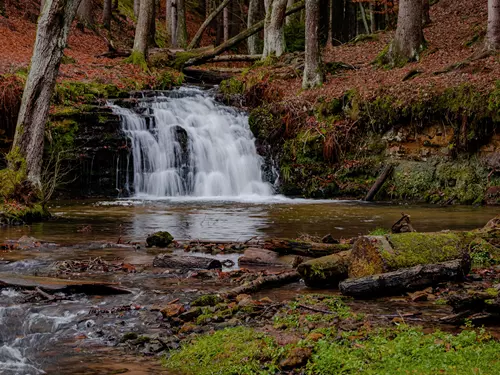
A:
x: 189, y: 145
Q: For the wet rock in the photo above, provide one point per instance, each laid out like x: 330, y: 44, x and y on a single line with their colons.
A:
x: 173, y: 310
x: 329, y: 239
x: 129, y: 336
x: 159, y: 239
x: 297, y: 357
x: 191, y: 314
x: 207, y: 300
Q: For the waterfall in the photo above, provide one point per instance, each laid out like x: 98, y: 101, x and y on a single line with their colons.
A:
x: 184, y: 143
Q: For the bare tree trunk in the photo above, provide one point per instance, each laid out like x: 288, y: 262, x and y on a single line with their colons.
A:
x: 253, y: 13
x: 152, y: 29
x: 84, y: 13
x: 168, y: 9
x: 313, y: 75
x: 51, y: 37
x: 196, y: 39
x: 363, y: 17
x: 289, y: 19
x: 182, y: 37
x: 493, y: 33
x: 274, y: 39
x: 140, y: 50
x: 409, y: 39
x: 137, y: 6
x: 225, y: 20
x: 373, y: 18
x: 106, y: 14
x: 42, y: 3
x: 173, y: 23
x: 426, y: 17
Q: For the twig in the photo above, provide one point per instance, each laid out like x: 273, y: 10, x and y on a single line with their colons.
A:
x: 315, y: 309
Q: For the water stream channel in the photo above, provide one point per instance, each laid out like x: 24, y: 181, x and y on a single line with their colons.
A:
x: 197, y: 175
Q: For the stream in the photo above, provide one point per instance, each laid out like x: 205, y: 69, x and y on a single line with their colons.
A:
x: 197, y: 175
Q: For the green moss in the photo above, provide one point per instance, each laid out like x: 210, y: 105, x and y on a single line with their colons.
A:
x: 181, y: 58
x: 68, y: 93
x: 227, y: 352
x: 379, y: 232
x: 263, y: 123
x: 232, y: 86
x: 207, y: 300
x: 139, y: 59
x: 14, y: 174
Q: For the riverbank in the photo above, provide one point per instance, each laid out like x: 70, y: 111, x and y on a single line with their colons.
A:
x: 98, y: 300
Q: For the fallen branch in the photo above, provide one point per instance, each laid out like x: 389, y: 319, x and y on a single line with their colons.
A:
x: 263, y: 282
x: 197, y: 37
x: 379, y: 183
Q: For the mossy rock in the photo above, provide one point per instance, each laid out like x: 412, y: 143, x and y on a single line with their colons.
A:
x: 207, y: 300
x: 159, y: 239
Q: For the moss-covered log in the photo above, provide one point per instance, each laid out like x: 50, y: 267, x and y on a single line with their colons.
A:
x: 186, y: 262
x: 379, y: 254
x: 285, y: 246
x: 406, y: 279
x: 325, y: 271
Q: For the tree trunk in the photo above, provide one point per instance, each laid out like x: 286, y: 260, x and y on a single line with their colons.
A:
x: 363, y: 17
x: 196, y: 39
x: 426, y: 17
x: 152, y: 29
x: 409, y: 39
x: 325, y: 271
x: 373, y: 19
x: 173, y: 24
x: 181, y: 24
x: 274, y: 35
x: 310, y: 249
x: 253, y: 14
x: 379, y: 254
x: 106, y: 14
x: 140, y: 50
x: 225, y: 20
x: 186, y: 262
x: 263, y: 282
x: 405, y: 280
x: 379, y: 183
x: 52, y: 34
x: 137, y: 7
x: 493, y: 32
x: 84, y: 13
x: 207, y: 55
x: 289, y: 19
x: 313, y: 74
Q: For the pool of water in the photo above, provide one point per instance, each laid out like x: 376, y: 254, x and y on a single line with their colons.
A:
x: 237, y: 220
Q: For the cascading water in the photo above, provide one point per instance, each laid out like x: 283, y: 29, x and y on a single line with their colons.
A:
x: 186, y: 144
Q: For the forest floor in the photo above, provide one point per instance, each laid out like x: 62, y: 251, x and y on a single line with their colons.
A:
x: 455, y: 34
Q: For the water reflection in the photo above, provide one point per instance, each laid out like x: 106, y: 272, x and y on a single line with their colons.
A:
x: 222, y: 220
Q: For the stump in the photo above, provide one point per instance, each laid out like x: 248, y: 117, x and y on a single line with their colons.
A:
x: 325, y: 271
x: 406, y: 279
x: 186, y: 262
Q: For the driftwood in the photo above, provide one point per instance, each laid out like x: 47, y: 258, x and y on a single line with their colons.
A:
x: 254, y: 29
x: 407, y: 279
x: 285, y: 246
x: 259, y: 257
x: 403, y: 225
x: 186, y: 262
x: 263, y: 282
x: 386, y: 171
x: 325, y: 271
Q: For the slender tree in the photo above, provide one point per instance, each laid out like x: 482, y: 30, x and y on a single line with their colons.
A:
x: 426, y: 17
x: 409, y: 39
x: 106, y: 14
x: 137, y: 5
x: 140, y: 50
x: 173, y: 23
x: 210, y: 17
x: 253, y: 18
x: 182, y: 38
x: 225, y: 20
x: 274, y: 33
x: 313, y: 75
x: 492, y: 42
x: 51, y: 37
x: 84, y: 13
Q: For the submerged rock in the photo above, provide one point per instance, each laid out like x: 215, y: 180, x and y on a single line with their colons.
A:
x: 159, y: 239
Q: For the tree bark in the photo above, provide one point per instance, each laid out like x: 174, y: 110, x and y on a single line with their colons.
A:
x: 253, y: 14
x: 274, y: 36
x: 137, y: 7
x: 325, y: 271
x: 84, y: 13
x: 196, y: 39
x: 493, y: 33
x: 106, y: 14
x: 373, y: 19
x: 363, y: 17
x: 311, y: 249
x: 379, y: 183
x: 173, y: 24
x: 426, y: 17
x: 186, y: 262
x: 289, y: 19
x: 313, y: 74
x: 140, y: 50
x: 259, y: 257
x: 409, y: 39
x: 181, y: 24
x: 207, y: 55
x: 405, y: 280
x: 225, y: 21
x: 263, y: 282
x: 52, y: 34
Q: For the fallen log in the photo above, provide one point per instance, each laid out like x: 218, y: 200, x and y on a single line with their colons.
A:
x: 325, y: 271
x: 386, y: 171
x: 285, y: 246
x: 406, y: 279
x: 206, y: 76
x: 259, y: 257
x: 379, y: 254
x: 263, y: 282
x: 186, y: 262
